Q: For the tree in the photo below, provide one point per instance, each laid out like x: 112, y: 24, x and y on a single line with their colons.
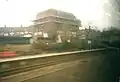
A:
x: 111, y: 37
x: 110, y: 32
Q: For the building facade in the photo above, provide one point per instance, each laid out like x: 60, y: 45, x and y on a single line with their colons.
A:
x: 16, y: 31
x: 56, y: 25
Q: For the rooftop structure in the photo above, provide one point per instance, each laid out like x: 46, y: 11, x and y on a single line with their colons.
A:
x: 52, y: 15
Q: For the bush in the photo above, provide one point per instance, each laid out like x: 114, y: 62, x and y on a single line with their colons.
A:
x: 73, y: 45
x: 39, y: 45
x: 65, y: 46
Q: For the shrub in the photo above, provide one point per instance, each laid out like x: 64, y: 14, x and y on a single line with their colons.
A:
x: 39, y: 45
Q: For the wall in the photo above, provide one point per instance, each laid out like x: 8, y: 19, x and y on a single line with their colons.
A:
x: 15, y: 40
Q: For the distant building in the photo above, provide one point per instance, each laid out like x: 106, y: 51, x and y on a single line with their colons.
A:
x: 56, y: 23
x: 16, y: 31
x: 16, y: 35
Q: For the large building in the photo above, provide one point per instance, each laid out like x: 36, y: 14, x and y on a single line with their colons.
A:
x: 56, y: 24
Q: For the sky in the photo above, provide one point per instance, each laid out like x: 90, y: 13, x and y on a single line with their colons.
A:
x: 22, y: 12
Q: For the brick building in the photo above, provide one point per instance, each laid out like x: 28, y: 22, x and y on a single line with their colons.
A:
x: 56, y: 25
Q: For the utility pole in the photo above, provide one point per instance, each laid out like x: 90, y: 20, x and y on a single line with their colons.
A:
x: 88, y: 37
x: 89, y: 40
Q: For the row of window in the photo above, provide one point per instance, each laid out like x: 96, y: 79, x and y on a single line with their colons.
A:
x: 16, y: 34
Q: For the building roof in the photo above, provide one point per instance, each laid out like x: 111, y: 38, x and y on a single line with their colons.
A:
x: 57, y: 13
x: 15, y: 29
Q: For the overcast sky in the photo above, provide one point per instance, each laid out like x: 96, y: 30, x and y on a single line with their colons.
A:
x: 17, y: 12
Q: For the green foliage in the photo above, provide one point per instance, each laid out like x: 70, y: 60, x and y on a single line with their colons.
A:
x: 39, y: 45
x: 111, y: 32
x: 112, y: 35
x: 65, y: 46
x: 71, y: 46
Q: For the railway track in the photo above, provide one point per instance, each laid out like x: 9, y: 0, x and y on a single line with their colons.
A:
x: 37, y: 62
x: 23, y: 69
x: 38, y: 65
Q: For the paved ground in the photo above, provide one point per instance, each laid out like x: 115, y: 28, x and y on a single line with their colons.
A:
x: 101, y: 68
